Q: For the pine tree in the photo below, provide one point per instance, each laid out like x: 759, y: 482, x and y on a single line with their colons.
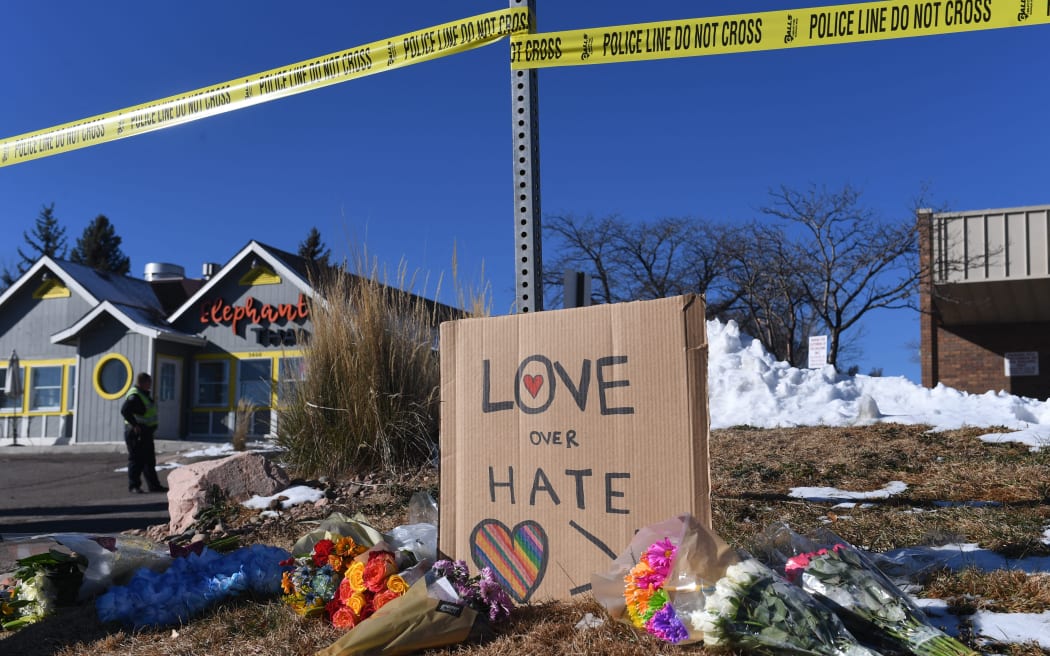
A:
x: 48, y: 238
x: 99, y: 248
x: 314, y: 250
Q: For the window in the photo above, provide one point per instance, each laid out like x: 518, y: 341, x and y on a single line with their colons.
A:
x: 213, y: 378
x: 255, y: 382
x: 292, y: 373
x: 112, y: 376
x: 71, y: 388
x: 210, y: 423
x: 45, y: 388
x: 166, y: 384
x: 12, y: 403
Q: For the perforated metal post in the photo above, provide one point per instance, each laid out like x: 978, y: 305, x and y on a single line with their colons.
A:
x: 527, y: 219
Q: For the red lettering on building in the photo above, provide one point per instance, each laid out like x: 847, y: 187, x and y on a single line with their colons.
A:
x: 218, y: 312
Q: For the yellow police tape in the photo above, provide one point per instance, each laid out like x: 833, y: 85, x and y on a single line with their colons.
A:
x: 396, y: 52
x: 771, y: 30
x: 695, y: 37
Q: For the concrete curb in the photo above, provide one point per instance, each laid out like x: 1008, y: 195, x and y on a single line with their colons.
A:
x: 162, y: 446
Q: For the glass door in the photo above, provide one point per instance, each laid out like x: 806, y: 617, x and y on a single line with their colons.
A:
x: 254, y: 393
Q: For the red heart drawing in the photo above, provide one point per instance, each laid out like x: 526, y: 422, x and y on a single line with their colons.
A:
x: 517, y: 557
x: 533, y: 384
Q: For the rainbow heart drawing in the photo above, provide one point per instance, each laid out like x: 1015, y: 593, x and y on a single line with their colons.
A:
x: 517, y: 557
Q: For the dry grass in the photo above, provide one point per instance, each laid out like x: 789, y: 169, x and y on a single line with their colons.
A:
x: 242, y: 422
x: 1001, y: 591
x: 370, y: 397
x: 753, y: 472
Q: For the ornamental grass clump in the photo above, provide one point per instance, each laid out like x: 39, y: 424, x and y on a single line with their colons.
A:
x: 371, y: 387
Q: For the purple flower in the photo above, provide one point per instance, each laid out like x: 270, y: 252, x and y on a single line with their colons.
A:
x: 494, y: 596
x: 666, y: 625
x: 660, y: 555
x: 456, y: 571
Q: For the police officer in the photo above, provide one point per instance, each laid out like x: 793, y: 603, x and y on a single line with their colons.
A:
x: 140, y: 422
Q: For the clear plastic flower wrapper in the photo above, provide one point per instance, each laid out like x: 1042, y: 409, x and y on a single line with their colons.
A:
x: 682, y: 583
x: 41, y: 582
x: 111, y: 559
x: 846, y: 580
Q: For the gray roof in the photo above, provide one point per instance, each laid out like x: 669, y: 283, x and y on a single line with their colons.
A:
x: 117, y: 289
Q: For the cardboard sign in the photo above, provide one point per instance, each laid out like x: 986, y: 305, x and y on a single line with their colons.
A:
x: 564, y: 432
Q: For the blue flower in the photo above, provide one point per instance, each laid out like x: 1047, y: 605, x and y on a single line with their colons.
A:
x: 190, y: 585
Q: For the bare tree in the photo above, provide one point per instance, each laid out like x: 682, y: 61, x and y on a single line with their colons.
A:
x: 848, y: 262
x: 770, y: 302
x: 636, y: 260
x: 586, y: 244
x: 651, y: 257
x: 707, y: 261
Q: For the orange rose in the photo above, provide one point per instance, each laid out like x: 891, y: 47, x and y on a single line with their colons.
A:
x: 396, y: 584
x: 356, y: 575
x: 384, y: 597
x: 345, y: 590
x: 379, y: 567
x: 344, y: 619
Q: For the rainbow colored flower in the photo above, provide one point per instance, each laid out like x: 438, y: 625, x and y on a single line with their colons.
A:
x: 648, y: 604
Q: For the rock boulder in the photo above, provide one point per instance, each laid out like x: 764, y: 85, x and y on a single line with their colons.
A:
x: 240, y: 477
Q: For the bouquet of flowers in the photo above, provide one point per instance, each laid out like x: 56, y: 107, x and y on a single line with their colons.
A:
x: 846, y: 580
x: 39, y: 584
x: 647, y: 602
x: 481, y: 592
x: 753, y: 608
x: 190, y: 585
x: 682, y: 583
x: 444, y: 606
x: 310, y: 583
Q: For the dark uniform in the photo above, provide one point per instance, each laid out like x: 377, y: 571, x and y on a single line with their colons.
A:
x: 140, y: 418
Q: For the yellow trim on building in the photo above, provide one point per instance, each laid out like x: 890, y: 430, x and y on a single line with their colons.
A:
x: 98, y: 372
x: 233, y: 359
x: 27, y: 367
x: 52, y: 289
x: 260, y: 275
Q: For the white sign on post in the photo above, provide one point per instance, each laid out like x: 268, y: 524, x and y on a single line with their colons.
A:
x: 1021, y: 363
x: 818, y: 351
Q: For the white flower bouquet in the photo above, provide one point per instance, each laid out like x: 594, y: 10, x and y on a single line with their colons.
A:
x: 846, y: 580
x: 40, y: 583
x: 682, y: 583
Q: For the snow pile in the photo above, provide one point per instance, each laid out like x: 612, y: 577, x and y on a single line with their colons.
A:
x: 749, y: 387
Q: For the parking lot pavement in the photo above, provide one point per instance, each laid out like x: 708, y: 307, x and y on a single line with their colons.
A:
x: 81, y: 488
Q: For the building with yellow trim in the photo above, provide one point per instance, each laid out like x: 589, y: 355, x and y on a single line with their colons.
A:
x: 81, y: 335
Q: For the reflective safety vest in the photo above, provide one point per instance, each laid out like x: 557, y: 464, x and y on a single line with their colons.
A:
x: 149, y: 418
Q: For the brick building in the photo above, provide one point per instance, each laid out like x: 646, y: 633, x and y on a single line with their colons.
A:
x: 985, y: 300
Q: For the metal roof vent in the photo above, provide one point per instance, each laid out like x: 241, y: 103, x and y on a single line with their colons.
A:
x: 164, y: 271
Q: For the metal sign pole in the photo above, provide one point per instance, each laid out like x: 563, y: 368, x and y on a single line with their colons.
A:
x: 527, y: 221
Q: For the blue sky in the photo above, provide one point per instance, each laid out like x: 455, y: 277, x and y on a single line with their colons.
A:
x: 415, y: 162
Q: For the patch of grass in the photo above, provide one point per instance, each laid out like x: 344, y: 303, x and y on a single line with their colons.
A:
x: 242, y: 422
x: 370, y: 397
x: 1001, y: 591
x: 952, y: 478
x: 753, y: 471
